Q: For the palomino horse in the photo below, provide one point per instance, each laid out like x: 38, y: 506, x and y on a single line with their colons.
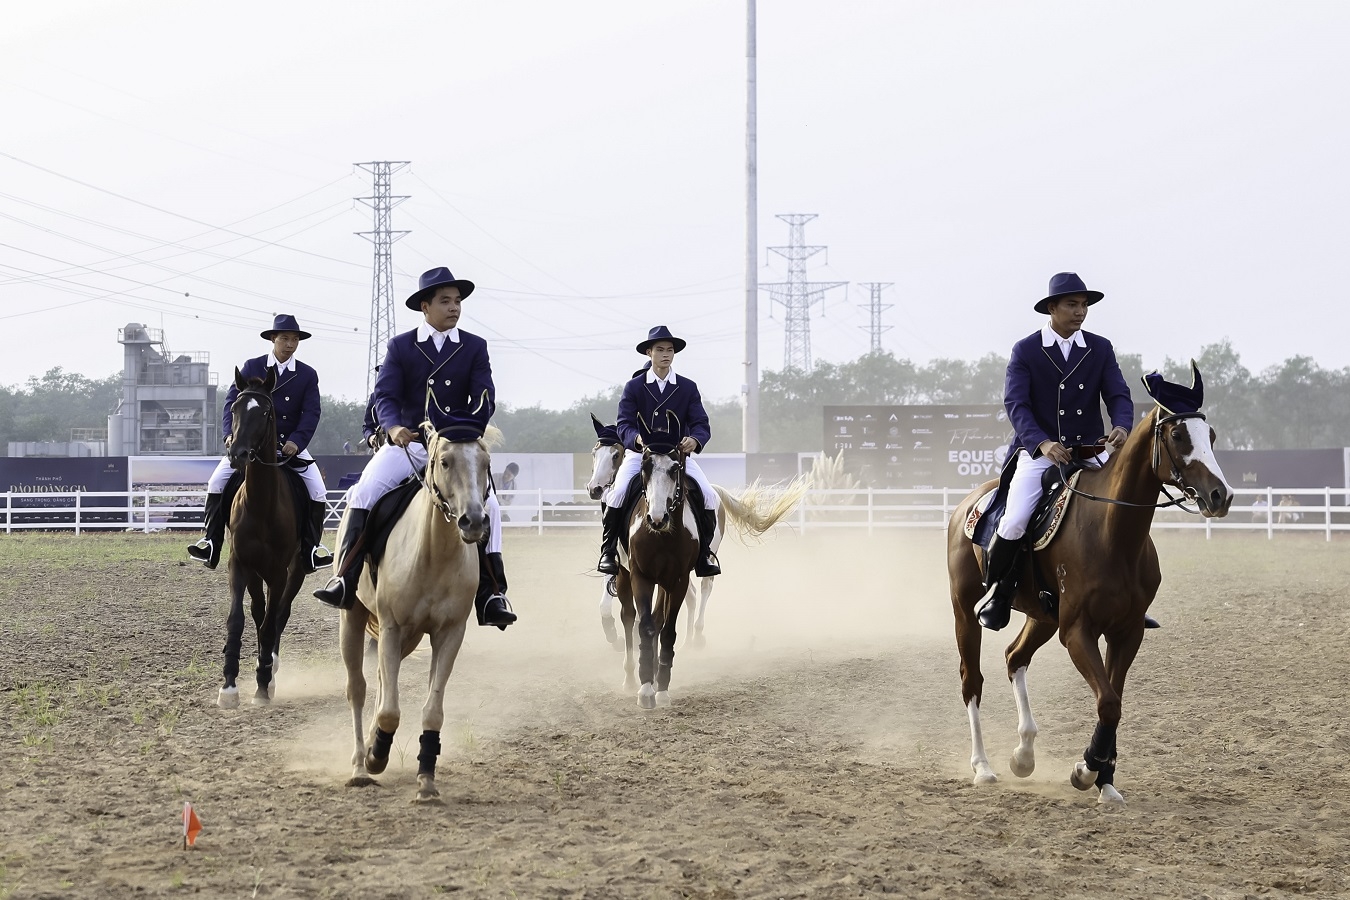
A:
x: 264, y: 537
x: 424, y: 584
x: 1105, y: 569
x: 654, y: 571
x: 605, y: 458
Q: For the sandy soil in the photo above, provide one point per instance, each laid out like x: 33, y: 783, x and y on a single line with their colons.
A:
x: 817, y: 748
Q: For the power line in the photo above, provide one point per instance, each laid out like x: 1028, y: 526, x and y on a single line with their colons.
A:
x: 382, y: 203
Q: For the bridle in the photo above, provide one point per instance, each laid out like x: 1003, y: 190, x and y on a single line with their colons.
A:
x: 676, y: 499
x: 433, y: 489
x: 1188, y: 492
x: 271, y: 413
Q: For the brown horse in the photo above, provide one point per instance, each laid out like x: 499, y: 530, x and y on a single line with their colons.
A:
x: 265, y: 556
x: 1103, y: 567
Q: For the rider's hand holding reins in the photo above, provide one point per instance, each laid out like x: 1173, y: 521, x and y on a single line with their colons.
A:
x: 688, y: 445
x: 400, y: 436
x: 1117, y: 437
x: 289, y: 449
x: 1056, y: 452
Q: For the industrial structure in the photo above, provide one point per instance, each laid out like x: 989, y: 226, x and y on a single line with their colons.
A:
x: 168, y: 405
x: 874, y: 309
x: 797, y: 295
x: 381, y: 203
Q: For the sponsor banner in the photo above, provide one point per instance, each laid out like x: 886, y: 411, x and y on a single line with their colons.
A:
x: 36, y: 479
x: 919, y: 447
x: 1286, y: 469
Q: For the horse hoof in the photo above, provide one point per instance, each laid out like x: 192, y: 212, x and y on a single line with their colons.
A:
x: 985, y: 777
x: 361, y: 781
x: 428, y: 798
x: 630, y: 684
x: 698, y: 642
x: 611, y: 633
x: 228, y: 698
x: 647, y: 697
x: 1022, y: 764
x: 1110, y: 798
x: 663, y: 698
x: 375, y: 765
x: 1082, y: 777
x: 263, y: 697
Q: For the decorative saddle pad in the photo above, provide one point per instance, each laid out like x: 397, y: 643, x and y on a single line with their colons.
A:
x: 1044, y: 521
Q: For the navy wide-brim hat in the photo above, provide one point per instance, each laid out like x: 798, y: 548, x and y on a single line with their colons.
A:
x: 284, y: 323
x: 1064, y: 284
x: 660, y: 333
x: 430, y: 280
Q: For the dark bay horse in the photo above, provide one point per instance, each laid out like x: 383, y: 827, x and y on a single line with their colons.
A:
x: 1103, y: 566
x: 264, y: 538
x: 654, y: 571
x: 423, y: 585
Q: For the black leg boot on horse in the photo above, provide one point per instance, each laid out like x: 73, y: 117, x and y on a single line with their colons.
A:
x: 707, y: 565
x: 999, y: 573
x: 340, y: 591
x: 491, y: 604
x: 610, y: 526
x: 207, y: 550
x: 315, y: 554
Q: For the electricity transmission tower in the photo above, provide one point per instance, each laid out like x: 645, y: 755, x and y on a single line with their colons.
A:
x: 797, y: 294
x: 875, y: 307
x: 382, y: 204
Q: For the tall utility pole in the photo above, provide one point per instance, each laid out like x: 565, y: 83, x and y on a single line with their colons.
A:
x: 797, y: 294
x: 382, y: 203
x: 875, y: 307
x: 750, y: 415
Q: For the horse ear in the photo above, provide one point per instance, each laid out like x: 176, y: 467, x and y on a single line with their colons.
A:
x: 598, y: 426
x: 1197, y: 385
x: 270, y: 381
x: 239, y: 379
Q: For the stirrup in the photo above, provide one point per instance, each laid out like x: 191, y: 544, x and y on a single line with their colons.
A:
x: 509, y: 615
x: 320, y: 558
x: 342, y: 601
x: 709, y: 566
x: 203, y: 551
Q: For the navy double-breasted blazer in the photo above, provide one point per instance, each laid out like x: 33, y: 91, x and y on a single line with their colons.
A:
x: 1050, y: 398
x: 295, y: 398
x: 452, y: 386
x: 371, y: 424
x: 648, y: 402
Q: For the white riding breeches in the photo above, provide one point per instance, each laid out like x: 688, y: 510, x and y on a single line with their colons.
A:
x: 632, y: 464
x: 391, y: 465
x: 313, y: 480
x: 1024, y: 492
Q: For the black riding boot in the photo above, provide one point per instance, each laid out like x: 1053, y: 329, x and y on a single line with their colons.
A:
x: 491, y: 604
x: 316, y: 555
x: 707, y: 565
x: 340, y: 591
x: 610, y: 526
x: 207, y: 550
x: 999, y: 573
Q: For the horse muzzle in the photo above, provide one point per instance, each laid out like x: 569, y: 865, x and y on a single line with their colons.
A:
x: 472, y: 526
x: 658, y: 524
x: 1214, y: 502
x: 595, y: 491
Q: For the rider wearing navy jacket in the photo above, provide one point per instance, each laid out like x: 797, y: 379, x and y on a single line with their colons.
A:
x: 647, y: 399
x: 296, y: 401
x: 438, y: 373
x: 1057, y: 380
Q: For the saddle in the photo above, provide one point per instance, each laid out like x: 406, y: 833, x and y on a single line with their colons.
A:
x: 299, y: 493
x: 382, y: 519
x: 1044, y: 524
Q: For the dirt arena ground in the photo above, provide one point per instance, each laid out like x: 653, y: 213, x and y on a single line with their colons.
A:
x: 817, y: 748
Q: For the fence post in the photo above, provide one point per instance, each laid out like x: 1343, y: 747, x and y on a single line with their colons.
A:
x: 540, y: 503
x: 1327, y: 508
x: 1270, y: 513
x: 77, y: 512
x: 145, y: 513
x: 1209, y: 532
x: 9, y: 512
x: 871, y: 509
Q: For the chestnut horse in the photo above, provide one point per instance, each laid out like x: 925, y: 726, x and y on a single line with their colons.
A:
x: 423, y: 585
x: 1104, y: 568
x: 265, y: 556
x: 605, y: 458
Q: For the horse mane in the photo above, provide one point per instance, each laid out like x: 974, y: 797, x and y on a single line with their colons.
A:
x: 492, y: 437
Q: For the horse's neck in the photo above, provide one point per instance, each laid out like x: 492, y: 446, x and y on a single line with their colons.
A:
x: 262, y: 482
x: 1130, y: 477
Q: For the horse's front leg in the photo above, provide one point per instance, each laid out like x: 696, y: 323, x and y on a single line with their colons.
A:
x: 705, y: 594
x: 1098, y: 765
x: 643, y: 590
x: 607, y: 595
x: 268, y: 636
x: 228, y: 698
x: 965, y: 589
x: 1033, y: 636
x: 674, y: 596
x: 386, y: 712
x: 623, y: 584
x: 351, y: 637
x: 444, y: 649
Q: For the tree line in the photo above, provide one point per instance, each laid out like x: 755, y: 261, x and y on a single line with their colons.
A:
x: 1296, y: 404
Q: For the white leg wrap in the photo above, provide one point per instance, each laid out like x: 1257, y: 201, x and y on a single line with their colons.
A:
x: 979, y: 762
x: 1024, y: 757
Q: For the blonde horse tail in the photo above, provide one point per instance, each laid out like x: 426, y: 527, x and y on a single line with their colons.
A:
x: 756, y: 509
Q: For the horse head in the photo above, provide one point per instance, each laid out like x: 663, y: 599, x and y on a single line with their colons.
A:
x: 1183, y: 444
x: 663, y: 485
x: 605, y: 457
x: 458, y: 463
x: 255, y: 425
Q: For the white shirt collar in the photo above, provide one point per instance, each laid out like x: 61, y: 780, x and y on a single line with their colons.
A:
x: 1051, y: 338
x: 425, y: 332
x: 669, y: 379
x: 289, y: 365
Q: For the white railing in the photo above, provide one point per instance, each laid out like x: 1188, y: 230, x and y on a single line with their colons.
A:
x: 1323, y: 510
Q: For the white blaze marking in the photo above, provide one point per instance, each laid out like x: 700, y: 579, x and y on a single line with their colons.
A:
x: 252, y: 404
x: 1201, y: 449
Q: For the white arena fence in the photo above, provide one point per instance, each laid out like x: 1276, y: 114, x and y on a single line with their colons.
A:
x: 1268, y: 510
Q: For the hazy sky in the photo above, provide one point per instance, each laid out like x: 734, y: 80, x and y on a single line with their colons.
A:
x: 189, y: 166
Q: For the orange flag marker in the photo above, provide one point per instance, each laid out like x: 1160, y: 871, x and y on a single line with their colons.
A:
x: 192, y: 826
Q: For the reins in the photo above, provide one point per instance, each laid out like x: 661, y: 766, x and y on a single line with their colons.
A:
x: 1188, y: 493
x: 291, y: 461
